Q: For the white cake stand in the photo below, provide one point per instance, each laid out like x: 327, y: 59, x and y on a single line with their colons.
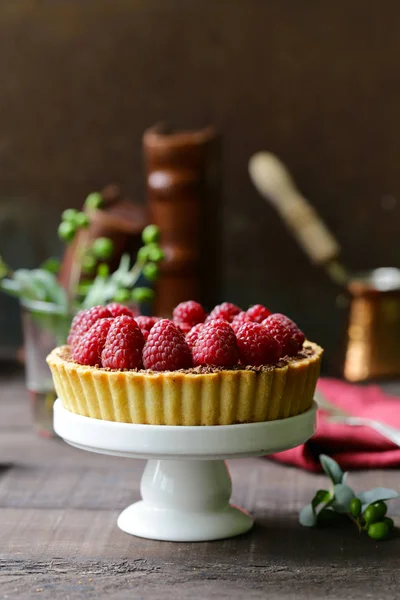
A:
x: 185, y: 486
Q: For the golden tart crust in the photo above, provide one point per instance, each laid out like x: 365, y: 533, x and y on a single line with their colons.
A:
x: 199, y: 396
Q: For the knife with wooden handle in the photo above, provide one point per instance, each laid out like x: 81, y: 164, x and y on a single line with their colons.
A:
x: 274, y: 182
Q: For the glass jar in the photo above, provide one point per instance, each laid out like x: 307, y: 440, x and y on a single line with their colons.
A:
x: 45, y: 326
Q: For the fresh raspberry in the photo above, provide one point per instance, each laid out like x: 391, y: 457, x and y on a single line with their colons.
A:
x: 90, y: 345
x: 184, y: 327
x: 83, y: 321
x: 239, y: 320
x: 117, y: 310
x: 191, y: 337
x: 190, y: 312
x: 225, y: 311
x: 124, y: 345
x: 257, y: 346
x: 145, y: 324
x: 258, y: 313
x: 75, y: 325
x: 166, y: 348
x: 285, y: 331
x: 297, y: 334
x: 216, y: 345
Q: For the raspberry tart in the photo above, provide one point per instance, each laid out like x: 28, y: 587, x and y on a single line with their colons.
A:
x: 231, y: 366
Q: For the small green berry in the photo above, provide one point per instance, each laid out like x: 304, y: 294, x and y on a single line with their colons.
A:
x: 88, y: 264
x: 378, y: 531
x: 389, y: 522
x: 4, y: 270
x: 103, y: 270
x: 69, y: 215
x: 50, y: 264
x: 122, y: 296
x: 355, y: 507
x: 151, y: 271
x: 155, y: 254
x: 380, y: 509
x: 66, y: 231
x: 370, y: 515
x: 143, y: 254
x: 103, y: 248
x: 142, y: 294
x: 150, y: 234
x: 82, y: 220
x: 94, y: 201
x: 84, y: 287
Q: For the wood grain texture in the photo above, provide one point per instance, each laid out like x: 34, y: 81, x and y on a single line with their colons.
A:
x: 315, y: 82
x: 59, y: 538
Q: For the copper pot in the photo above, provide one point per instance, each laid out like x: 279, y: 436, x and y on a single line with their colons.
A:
x: 373, y: 333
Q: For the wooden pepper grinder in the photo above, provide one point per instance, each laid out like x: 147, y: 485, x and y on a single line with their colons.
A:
x: 183, y: 188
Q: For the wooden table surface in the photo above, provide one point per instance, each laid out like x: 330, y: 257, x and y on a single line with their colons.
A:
x: 59, y: 538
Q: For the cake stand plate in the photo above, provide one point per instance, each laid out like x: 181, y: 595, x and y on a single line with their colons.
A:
x: 185, y: 486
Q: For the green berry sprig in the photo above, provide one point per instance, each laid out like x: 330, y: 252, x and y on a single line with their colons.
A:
x: 71, y: 221
x: 126, y: 284
x: 367, y: 510
x: 121, y: 285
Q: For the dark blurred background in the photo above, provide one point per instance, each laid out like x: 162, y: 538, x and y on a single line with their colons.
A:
x: 314, y: 82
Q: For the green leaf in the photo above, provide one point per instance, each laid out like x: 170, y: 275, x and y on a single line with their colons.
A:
x: 124, y: 264
x: 307, y: 516
x: 30, y: 289
x: 343, y: 496
x: 11, y: 287
x: 376, y: 494
x: 52, y: 289
x: 96, y: 294
x: 322, y: 496
x: 331, y: 468
x: 123, y: 277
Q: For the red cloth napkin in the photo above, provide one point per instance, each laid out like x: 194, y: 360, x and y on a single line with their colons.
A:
x: 352, y: 447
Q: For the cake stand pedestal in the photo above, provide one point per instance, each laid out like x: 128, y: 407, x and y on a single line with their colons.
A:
x: 185, y: 486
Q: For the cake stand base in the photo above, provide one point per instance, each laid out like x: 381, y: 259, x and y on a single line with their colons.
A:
x: 185, y: 501
x: 185, y: 486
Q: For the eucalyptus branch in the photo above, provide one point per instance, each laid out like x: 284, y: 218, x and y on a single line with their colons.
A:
x: 367, y: 510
